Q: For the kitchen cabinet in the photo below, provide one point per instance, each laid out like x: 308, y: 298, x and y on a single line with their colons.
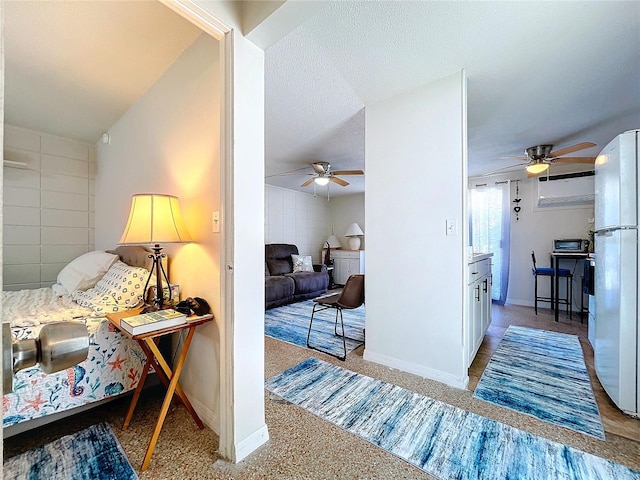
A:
x: 346, y: 263
x: 479, y: 301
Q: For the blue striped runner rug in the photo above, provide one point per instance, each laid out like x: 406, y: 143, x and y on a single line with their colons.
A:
x: 91, y: 454
x: 290, y: 324
x: 542, y: 374
x: 444, y: 441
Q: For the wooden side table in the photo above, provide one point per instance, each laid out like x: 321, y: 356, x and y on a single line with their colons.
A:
x: 149, y: 344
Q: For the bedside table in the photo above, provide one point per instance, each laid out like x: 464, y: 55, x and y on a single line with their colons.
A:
x: 149, y: 344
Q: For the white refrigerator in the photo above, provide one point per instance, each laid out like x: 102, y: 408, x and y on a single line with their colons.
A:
x: 617, y: 272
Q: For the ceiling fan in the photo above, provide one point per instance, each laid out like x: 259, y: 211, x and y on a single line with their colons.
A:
x: 538, y: 158
x: 323, y: 175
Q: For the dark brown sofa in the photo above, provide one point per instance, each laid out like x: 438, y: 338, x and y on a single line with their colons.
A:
x: 282, y: 286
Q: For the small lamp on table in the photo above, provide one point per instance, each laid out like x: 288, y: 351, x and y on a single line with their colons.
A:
x: 154, y: 219
x: 353, y: 232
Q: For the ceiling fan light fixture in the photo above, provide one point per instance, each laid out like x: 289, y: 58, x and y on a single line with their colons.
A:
x: 322, y: 181
x: 537, y: 167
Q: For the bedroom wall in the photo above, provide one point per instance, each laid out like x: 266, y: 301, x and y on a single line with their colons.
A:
x: 410, y: 259
x: 168, y: 142
x: 48, y: 213
x: 297, y: 218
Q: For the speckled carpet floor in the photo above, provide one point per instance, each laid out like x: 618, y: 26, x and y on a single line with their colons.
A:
x: 444, y: 441
x: 542, y: 374
x: 290, y: 324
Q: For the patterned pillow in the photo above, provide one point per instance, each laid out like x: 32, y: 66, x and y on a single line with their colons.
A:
x: 122, y: 285
x: 302, y: 263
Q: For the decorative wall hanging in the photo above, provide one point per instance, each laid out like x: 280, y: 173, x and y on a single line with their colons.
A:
x: 517, y: 201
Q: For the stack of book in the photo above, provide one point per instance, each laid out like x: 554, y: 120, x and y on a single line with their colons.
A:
x: 150, y: 322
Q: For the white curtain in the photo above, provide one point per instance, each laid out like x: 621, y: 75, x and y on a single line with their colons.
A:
x: 490, y: 220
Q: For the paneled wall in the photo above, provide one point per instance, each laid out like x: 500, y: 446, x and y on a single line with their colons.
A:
x: 48, y: 212
x: 297, y: 218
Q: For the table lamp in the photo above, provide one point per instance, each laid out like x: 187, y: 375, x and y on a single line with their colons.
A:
x: 331, y: 242
x: 154, y: 219
x: 352, y: 232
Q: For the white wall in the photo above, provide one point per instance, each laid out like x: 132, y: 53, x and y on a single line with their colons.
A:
x: 244, y: 408
x: 346, y: 210
x: 168, y: 142
x: 48, y: 206
x: 297, y: 218
x: 535, y: 230
x: 415, y: 286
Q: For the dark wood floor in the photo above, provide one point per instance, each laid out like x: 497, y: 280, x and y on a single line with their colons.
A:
x: 614, y: 421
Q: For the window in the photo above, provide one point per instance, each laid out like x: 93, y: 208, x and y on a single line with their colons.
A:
x: 490, y: 219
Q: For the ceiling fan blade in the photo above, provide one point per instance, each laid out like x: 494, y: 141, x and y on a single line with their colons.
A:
x: 504, y: 168
x: 575, y: 160
x: 348, y: 172
x: 339, y: 181
x: 571, y: 149
x: 308, y: 182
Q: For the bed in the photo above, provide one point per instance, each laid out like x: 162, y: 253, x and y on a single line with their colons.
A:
x: 88, y: 288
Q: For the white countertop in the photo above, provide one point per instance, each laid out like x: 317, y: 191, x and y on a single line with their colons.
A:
x: 476, y: 257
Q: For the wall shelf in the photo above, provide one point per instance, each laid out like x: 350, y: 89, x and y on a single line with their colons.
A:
x: 12, y: 164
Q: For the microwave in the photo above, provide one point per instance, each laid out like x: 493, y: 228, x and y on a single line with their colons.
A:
x: 571, y: 245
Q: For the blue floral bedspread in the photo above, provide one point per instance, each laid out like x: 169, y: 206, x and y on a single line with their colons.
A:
x: 113, y: 366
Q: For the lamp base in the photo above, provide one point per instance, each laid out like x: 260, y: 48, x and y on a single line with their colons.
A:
x: 354, y: 243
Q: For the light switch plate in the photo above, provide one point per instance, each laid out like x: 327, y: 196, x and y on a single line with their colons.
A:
x: 452, y: 227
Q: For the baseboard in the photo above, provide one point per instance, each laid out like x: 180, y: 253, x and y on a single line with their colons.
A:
x: 208, y: 417
x: 251, y: 443
x: 420, y: 370
x: 246, y: 446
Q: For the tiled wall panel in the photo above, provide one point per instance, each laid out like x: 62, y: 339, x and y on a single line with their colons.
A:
x: 48, y: 206
x: 21, y: 254
x: 23, y: 197
x: 297, y: 218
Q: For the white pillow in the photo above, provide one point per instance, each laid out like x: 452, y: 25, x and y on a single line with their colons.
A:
x: 302, y: 263
x: 85, y: 271
x: 122, y: 285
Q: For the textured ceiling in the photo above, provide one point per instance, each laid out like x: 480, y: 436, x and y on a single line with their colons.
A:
x: 538, y: 72
x: 73, y: 68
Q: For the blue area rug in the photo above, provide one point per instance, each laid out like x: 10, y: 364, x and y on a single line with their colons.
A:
x: 444, y: 441
x: 542, y: 374
x: 91, y: 454
x: 290, y: 324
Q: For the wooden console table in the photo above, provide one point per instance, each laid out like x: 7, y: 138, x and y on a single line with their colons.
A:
x: 149, y: 344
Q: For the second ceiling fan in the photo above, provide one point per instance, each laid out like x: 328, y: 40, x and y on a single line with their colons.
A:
x: 539, y: 157
x: 323, y: 175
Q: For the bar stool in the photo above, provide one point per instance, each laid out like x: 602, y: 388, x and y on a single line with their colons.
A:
x: 549, y: 272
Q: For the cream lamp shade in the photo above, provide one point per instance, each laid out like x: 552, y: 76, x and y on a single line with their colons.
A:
x: 322, y: 181
x: 333, y: 242
x: 155, y: 218
x: 353, y: 232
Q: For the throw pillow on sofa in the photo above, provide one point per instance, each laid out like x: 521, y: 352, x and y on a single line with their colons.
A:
x: 302, y: 263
